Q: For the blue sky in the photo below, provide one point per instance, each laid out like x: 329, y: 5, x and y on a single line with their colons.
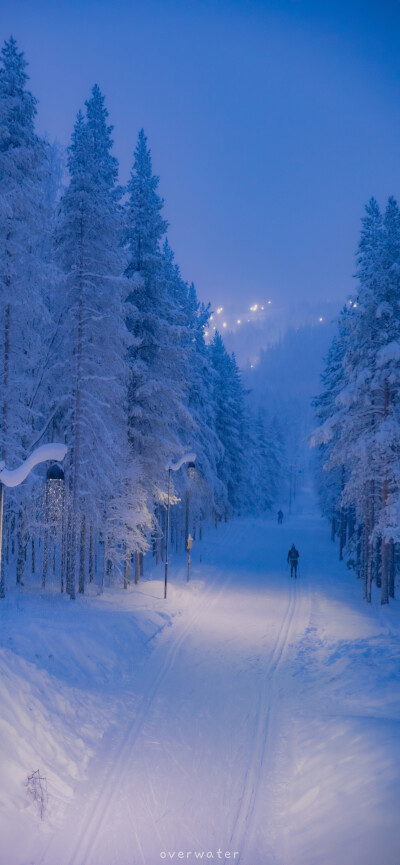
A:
x: 270, y: 123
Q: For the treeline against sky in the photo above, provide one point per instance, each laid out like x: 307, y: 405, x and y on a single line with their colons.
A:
x: 358, y: 438
x: 102, y: 346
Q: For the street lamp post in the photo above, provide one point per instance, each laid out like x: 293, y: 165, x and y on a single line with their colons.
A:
x: 15, y: 477
x: 173, y: 467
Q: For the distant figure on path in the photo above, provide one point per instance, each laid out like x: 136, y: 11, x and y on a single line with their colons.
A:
x: 280, y: 518
x: 293, y: 559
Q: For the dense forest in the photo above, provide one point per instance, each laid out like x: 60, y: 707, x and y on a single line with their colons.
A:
x: 358, y: 438
x: 102, y: 347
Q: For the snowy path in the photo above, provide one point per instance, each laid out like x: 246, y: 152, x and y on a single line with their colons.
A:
x: 262, y: 719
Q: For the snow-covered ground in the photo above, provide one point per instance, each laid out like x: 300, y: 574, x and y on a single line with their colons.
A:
x: 249, y: 714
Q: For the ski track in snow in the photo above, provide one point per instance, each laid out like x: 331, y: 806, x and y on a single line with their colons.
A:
x: 122, y: 760
x: 242, y: 823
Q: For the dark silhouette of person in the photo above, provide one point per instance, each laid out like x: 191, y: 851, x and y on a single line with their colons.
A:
x: 280, y: 518
x: 293, y: 559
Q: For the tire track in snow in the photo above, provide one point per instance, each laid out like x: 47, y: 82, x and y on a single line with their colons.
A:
x: 242, y: 822
x: 113, y: 778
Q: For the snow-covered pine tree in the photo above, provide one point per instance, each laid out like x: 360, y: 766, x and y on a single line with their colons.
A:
x: 92, y: 341
x: 158, y: 360
x: 208, y: 488
x: 24, y: 316
x: 330, y: 483
x: 229, y: 419
x: 198, y: 425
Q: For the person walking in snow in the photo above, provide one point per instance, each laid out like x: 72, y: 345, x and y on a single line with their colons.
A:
x: 293, y: 560
x: 280, y: 518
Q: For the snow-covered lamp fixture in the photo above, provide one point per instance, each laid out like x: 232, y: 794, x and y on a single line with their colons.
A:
x: 55, y: 473
x: 191, y: 470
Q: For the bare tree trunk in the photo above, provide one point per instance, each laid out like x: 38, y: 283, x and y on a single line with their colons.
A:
x: 162, y: 538
x: 141, y: 564
x: 369, y: 572
x: 63, y: 547
x: 82, y: 556
x: 71, y: 555
x: 45, y: 557
x: 377, y: 569
x: 385, y: 575
x: 359, y: 550
x: 365, y: 559
x: 136, y: 568
x: 7, y: 537
x: 103, y: 568
x: 127, y: 567
x: 33, y: 554
x: 109, y: 563
x: 91, y: 575
x: 186, y: 518
x: 391, y: 569
x: 158, y: 536
x: 6, y: 370
x: 20, y: 550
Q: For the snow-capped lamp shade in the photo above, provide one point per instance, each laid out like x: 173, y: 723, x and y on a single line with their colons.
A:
x: 55, y: 473
x: 191, y: 470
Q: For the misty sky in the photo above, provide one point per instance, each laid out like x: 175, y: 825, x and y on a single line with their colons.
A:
x: 270, y: 123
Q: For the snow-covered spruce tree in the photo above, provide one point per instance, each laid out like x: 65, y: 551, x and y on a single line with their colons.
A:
x: 24, y: 318
x: 364, y: 423
x: 330, y: 484
x: 92, y: 340
x: 208, y: 489
x: 229, y: 419
x: 198, y: 433
x: 158, y: 359
x: 261, y: 478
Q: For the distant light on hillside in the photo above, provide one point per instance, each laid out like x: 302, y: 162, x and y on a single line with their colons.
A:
x: 219, y: 310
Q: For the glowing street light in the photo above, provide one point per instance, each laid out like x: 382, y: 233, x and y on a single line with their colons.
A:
x: 174, y: 467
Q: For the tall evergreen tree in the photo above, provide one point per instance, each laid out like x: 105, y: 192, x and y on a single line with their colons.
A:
x: 158, y: 365
x: 93, y: 339
x: 23, y: 312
